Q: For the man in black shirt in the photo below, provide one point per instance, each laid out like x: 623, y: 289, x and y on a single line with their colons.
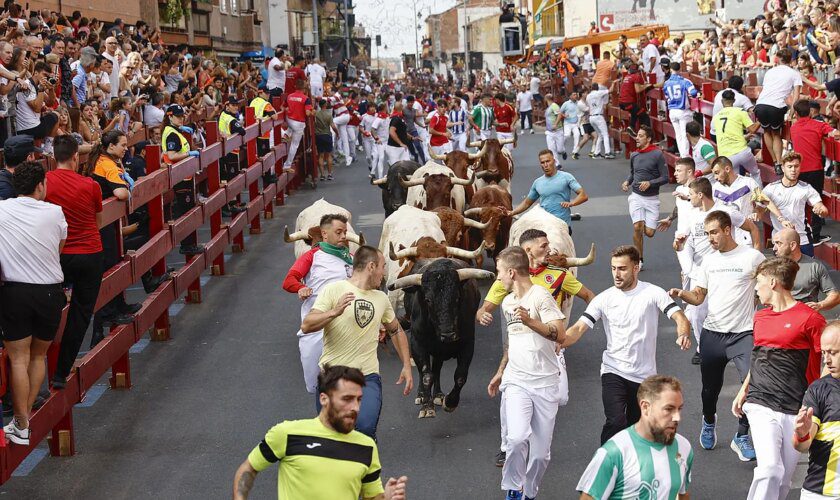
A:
x: 397, y: 148
x: 16, y: 150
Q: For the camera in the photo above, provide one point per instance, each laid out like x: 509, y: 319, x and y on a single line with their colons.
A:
x: 52, y: 80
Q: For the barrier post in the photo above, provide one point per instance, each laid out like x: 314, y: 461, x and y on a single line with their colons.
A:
x: 62, y: 439
x: 251, y: 158
x: 157, y: 222
x: 211, y: 130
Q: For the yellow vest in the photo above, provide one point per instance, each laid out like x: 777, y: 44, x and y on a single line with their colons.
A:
x: 225, y: 119
x: 185, y: 144
x: 259, y: 104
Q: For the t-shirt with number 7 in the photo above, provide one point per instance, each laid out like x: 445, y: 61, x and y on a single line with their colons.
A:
x: 731, y: 124
x: 351, y: 339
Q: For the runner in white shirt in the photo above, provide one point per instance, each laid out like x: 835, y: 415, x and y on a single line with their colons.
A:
x: 529, y: 374
x: 771, y: 109
x: 380, y: 128
x: 630, y: 311
x: 535, y: 88
x: 650, y: 58
x: 791, y: 196
x: 702, y: 151
x: 368, y: 142
x: 726, y: 280
x: 525, y: 108
x: 316, y: 74
x: 597, y: 101
x: 276, y: 74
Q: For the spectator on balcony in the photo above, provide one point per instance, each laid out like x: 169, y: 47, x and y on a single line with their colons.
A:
x: 31, y: 101
x: 32, y: 234
x: 80, y: 198
x: 650, y: 58
x: 85, y: 65
x: 276, y: 74
x: 770, y: 110
x: 114, y: 54
x: 16, y: 150
x: 153, y: 112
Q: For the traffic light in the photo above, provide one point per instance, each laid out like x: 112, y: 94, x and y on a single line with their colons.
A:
x: 378, y: 40
x: 351, y: 20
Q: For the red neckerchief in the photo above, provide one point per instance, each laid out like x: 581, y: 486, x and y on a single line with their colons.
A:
x: 382, y: 114
x: 648, y: 149
x: 533, y: 271
x: 371, y: 112
x: 397, y: 114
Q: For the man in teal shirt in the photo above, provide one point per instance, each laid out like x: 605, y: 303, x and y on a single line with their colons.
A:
x: 571, y: 117
x: 554, y: 190
x: 554, y: 129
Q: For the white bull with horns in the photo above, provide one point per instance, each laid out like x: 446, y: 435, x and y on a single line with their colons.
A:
x: 416, y: 196
x: 308, y: 230
x: 559, y: 241
x: 410, y: 234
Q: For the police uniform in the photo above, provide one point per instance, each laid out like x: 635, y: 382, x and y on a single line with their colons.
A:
x: 174, y: 142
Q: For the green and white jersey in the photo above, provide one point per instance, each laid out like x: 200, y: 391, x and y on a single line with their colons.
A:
x: 483, y: 116
x: 629, y: 466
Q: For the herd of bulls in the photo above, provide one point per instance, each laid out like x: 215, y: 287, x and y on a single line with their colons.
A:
x: 439, y: 219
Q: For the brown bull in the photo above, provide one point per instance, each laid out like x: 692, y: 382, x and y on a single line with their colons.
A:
x: 438, y: 188
x: 493, y: 165
x: 486, y: 207
x: 459, y: 162
x: 427, y: 248
x: 453, y: 225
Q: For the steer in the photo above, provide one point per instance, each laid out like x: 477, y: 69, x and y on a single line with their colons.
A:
x: 453, y: 224
x: 495, y: 164
x: 485, y: 206
x: 441, y: 299
x: 308, y: 230
x: 444, y: 187
x: 559, y: 241
x: 393, y: 192
x: 460, y: 163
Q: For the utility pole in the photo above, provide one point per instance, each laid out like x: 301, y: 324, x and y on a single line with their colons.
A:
x: 315, y: 34
x: 466, y: 43
x: 416, y: 42
x: 347, y: 27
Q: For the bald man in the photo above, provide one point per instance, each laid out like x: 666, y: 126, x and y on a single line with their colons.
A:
x: 115, y: 55
x: 819, y: 415
x: 812, y: 277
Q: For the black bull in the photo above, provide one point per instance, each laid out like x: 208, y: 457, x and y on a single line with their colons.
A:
x: 393, y: 193
x: 441, y: 299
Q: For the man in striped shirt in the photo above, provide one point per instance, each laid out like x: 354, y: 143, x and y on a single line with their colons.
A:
x: 482, y: 118
x: 458, y: 119
x: 648, y: 459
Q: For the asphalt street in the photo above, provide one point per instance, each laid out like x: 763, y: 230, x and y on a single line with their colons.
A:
x: 201, y: 401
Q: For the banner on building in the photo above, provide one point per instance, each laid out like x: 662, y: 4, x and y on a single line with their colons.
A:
x: 678, y: 14
x: 409, y: 62
x: 476, y: 60
x: 360, y: 52
x: 332, y: 51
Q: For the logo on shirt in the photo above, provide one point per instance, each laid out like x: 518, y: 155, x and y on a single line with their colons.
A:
x: 313, y: 445
x: 364, y: 312
x: 549, y: 279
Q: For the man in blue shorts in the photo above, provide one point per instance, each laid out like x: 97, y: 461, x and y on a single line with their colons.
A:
x: 554, y: 190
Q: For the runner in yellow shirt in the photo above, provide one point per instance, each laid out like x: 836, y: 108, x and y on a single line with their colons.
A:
x: 557, y: 280
x: 733, y: 125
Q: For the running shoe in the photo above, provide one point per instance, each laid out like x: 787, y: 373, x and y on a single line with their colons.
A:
x: 576, y: 216
x: 708, y: 435
x: 500, y: 458
x: 513, y: 495
x: 822, y: 239
x: 532, y: 131
x: 329, y: 177
x: 630, y: 132
x: 575, y: 156
x: 609, y: 156
x: 564, y: 155
x: 593, y: 155
x: 743, y: 447
x: 21, y: 436
x: 695, y: 360
x: 322, y: 178
x: 778, y: 169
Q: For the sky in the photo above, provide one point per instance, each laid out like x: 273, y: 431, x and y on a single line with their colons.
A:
x: 393, y: 20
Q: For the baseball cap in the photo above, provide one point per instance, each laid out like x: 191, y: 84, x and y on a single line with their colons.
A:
x: 176, y: 110
x: 664, y: 61
x: 17, y: 148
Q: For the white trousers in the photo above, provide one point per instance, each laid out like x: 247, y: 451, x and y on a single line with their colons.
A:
x: 353, y: 138
x: 485, y: 134
x: 368, y: 145
x: 774, y: 453
x: 506, y: 135
x: 296, y: 131
x: 442, y: 150
x: 571, y: 129
x: 423, y: 134
x: 311, y: 346
x: 317, y: 91
x: 745, y: 158
x: 603, y: 141
x: 530, y: 415
x: 379, y: 168
x: 554, y: 141
x: 343, y: 143
x: 394, y: 154
x: 679, y: 119
x: 459, y: 142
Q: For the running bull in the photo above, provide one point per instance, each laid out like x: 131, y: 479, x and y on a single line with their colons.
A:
x: 441, y: 299
x: 393, y: 192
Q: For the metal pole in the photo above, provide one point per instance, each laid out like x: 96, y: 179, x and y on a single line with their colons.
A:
x: 315, y: 34
x: 416, y: 42
x: 466, y: 44
x: 347, y: 28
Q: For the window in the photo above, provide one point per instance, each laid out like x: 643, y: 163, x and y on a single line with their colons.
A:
x: 234, y: 8
x: 201, y: 23
x: 223, y: 6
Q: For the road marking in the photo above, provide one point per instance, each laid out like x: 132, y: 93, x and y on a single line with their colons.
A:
x: 139, y: 346
x: 175, y: 308
x: 30, y: 462
x: 92, y: 396
x: 204, y: 280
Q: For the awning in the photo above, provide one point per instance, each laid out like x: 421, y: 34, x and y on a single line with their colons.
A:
x: 226, y: 54
x: 540, y: 43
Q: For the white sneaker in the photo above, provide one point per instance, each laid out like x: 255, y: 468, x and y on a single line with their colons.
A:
x: 15, y: 434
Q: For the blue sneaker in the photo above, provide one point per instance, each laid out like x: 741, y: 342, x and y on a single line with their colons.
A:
x: 708, y: 436
x: 743, y: 447
x: 513, y: 495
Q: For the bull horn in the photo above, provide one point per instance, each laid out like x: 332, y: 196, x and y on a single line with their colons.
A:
x: 462, y: 182
x: 585, y: 261
x: 436, y: 156
x: 296, y: 236
x: 358, y: 239
x: 506, y: 141
x: 475, y: 224
x: 402, y: 254
x: 407, y: 183
x: 379, y: 182
x: 470, y: 212
x: 475, y: 274
x: 474, y: 144
x: 464, y: 254
x: 406, y: 281
x: 479, y: 154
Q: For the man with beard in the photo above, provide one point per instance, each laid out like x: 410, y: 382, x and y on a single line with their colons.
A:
x: 785, y: 359
x: 630, y: 311
x: 649, y: 458
x: 323, y: 457
x: 327, y: 262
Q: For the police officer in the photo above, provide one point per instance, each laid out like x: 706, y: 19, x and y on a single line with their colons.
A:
x: 176, y: 147
x: 263, y: 110
x: 228, y: 126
